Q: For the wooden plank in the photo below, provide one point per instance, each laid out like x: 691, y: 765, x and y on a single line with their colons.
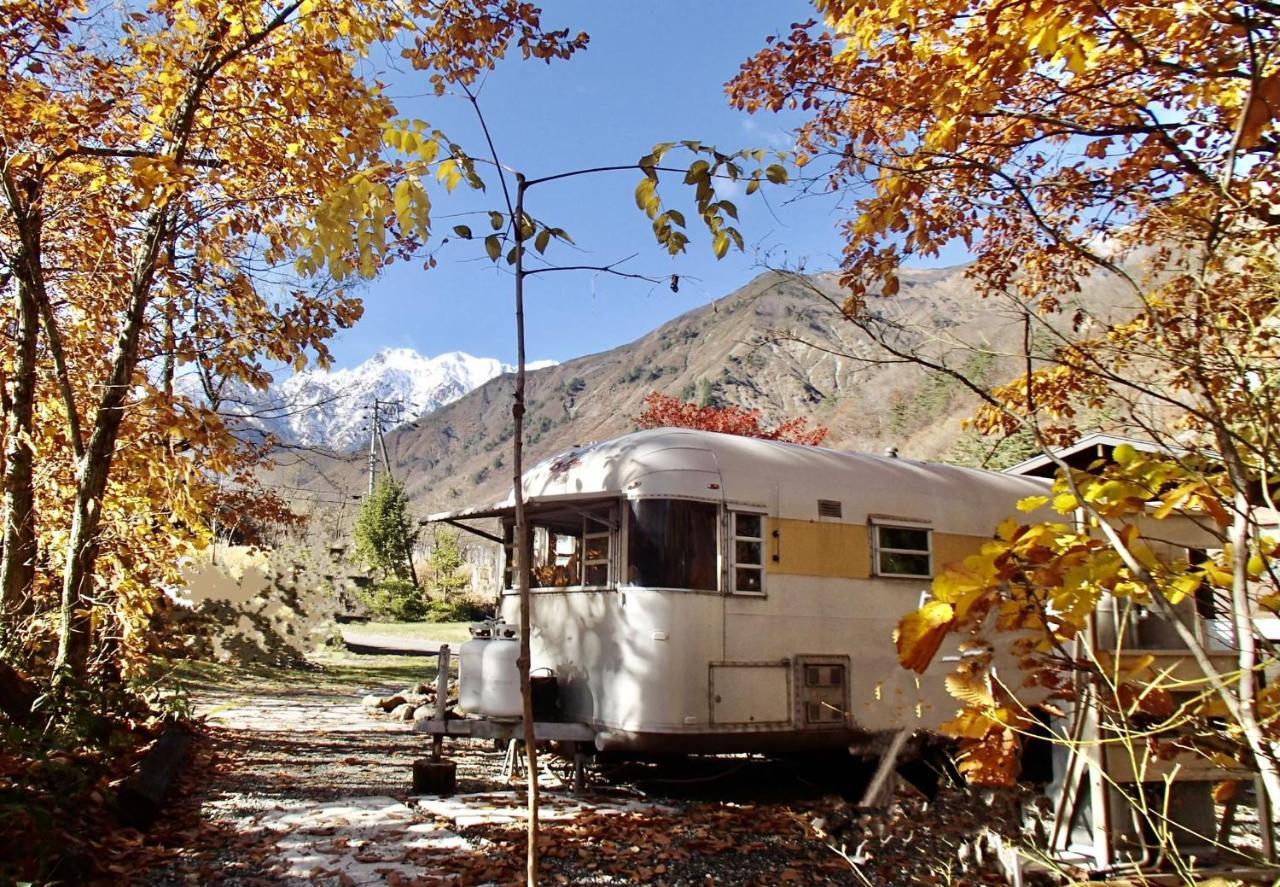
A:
x: 1189, y: 766
x: 1179, y: 663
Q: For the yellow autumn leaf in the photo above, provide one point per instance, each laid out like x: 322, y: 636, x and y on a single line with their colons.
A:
x: 1065, y: 503
x: 1007, y: 529
x: 1182, y: 586
x: 971, y: 685
x: 1031, y: 503
x: 993, y: 760
x: 920, y: 634
x: 1125, y: 454
x: 1257, y: 564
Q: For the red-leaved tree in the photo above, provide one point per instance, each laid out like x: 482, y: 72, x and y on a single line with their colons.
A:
x: 663, y: 411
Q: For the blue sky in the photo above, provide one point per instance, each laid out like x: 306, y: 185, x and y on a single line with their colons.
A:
x: 653, y: 72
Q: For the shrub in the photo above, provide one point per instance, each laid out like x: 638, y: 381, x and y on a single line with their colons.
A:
x: 395, y: 600
x: 457, y: 609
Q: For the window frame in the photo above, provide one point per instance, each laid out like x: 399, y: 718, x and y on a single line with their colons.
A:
x: 877, y: 549
x: 600, y: 525
x: 625, y: 543
x: 609, y: 536
x: 731, y: 560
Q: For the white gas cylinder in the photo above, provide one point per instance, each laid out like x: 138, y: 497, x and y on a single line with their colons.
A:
x: 501, y: 695
x: 471, y: 668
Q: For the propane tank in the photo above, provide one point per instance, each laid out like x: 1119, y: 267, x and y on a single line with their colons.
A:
x: 471, y: 667
x: 501, y: 695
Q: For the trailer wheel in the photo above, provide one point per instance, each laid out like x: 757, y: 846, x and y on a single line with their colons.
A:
x: 837, y: 772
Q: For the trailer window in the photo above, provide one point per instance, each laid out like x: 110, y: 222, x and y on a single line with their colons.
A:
x: 902, y: 551
x: 747, y: 571
x: 568, y: 549
x: 672, y: 544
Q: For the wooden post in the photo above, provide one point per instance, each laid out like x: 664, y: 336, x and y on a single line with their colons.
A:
x: 435, y: 775
x: 579, y: 780
x: 888, y: 761
x: 442, y: 700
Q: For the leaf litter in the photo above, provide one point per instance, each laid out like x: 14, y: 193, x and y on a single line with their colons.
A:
x: 311, y: 790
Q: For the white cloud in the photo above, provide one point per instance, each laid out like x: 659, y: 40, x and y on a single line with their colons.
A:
x: 727, y: 189
x: 771, y: 136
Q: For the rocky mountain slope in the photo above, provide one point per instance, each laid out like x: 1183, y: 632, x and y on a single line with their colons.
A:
x: 779, y: 345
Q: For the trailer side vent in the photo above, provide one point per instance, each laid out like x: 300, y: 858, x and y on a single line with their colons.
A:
x: 824, y: 676
x: 822, y: 713
x: 822, y: 691
x: 829, y: 508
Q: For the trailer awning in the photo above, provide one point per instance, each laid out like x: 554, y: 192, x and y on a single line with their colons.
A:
x: 539, y: 505
x: 474, y: 513
x: 456, y: 518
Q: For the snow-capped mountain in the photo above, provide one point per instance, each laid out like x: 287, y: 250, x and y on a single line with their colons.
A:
x: 331, y: 408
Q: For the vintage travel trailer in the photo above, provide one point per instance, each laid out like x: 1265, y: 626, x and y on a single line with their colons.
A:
x: 697, y: 592
x: 702, y: 592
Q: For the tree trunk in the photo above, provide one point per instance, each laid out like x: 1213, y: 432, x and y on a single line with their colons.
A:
x: 143, y: 793
x: 522, y: 547
x: 94, y: 469
x: 1242, y: 620
x: 17, y: 566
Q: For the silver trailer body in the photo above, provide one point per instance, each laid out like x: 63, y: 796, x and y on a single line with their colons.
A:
x: 696, y: 591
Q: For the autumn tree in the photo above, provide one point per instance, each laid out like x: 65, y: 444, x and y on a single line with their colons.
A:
x: 159, y: 167
x: 1057, y: 141
x: 664, y: 411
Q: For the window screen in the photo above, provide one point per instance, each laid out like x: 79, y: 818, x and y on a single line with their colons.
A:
x: 902, y: 551
x: 672, y: 544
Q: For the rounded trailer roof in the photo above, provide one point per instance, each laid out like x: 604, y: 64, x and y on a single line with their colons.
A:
x: 787, y: 480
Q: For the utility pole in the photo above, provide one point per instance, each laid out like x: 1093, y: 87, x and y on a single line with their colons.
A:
x: 391, y: 410
x: 374, y: 421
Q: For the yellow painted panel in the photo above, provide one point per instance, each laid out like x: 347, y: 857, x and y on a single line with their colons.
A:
x: 952, y: 548
x: 814, y: 548
x: 811, y: 548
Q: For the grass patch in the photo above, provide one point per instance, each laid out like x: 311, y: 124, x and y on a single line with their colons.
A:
x: 379, y: 672
x: 330, y: 671
x: 452, y: 633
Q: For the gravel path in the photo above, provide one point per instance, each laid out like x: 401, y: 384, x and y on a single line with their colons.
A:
x: 293, y: 782
x: 283, y: 770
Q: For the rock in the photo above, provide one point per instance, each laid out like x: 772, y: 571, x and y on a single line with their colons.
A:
x: 402, y: 712
x: 423, y: 711
x: 371, y: 701
x: 391, y: 702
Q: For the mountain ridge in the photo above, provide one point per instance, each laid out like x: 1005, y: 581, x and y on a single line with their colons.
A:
x: 779, y: 344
